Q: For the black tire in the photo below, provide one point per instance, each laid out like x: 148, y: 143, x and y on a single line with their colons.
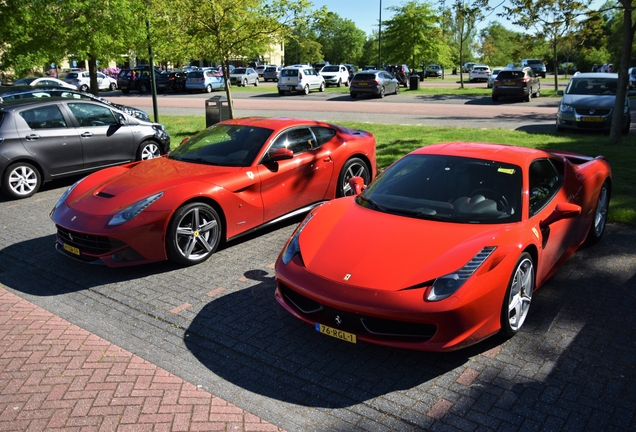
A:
x: 538, y: 93
x: 382, y: 92
x: 83, y: 88
x: 495, y: 98
x: 597, y: 227
x: 625, y: 129
x: 208, y: 88
x: 194, y: 233
x: 306, y: 90
x: 339, y: 83
x: 397, y: 89
x: 321, y: 88
x: 21, y: 180
x: 244, y: 83
x: 148, y: 150
x: 125, y: 91
x: 352, y: 168
x: 143, y: 88
x: 112, y: 87
x: 354, y: 95
x: 559, y: 128
x: 281, y: 92
x: 256, y: 83
x: 516, y: 303
x: 528, y: 97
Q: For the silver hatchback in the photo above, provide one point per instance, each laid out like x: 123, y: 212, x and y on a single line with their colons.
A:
x: 45, y: 139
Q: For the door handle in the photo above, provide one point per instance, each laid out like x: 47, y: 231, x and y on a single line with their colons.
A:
x: 32, y: 137
x: 87, y: 134
x: 327, y: 158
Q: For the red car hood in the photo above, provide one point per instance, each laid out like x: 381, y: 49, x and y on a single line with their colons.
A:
x: 127, y: 186
x: 350, y: 244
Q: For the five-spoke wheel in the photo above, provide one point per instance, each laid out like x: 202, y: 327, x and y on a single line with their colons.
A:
x: 600, y: 215
x: 518, y: 296
x: 354, y: 167
x: 148, y: 150
x: 194, y: 233
x: 21, y: 180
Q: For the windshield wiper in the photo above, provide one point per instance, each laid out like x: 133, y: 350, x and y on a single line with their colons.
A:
x: 373, y: 203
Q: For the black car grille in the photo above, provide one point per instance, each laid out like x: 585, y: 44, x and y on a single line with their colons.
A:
x: 377, y: 328
x: 89, y: 244
x: 593, y: 111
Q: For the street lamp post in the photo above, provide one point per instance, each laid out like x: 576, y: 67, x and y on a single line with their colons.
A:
x: 380, y: 39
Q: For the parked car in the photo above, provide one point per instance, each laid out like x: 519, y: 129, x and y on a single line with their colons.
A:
x: 352, y: 69
x: 468, y: 66
x: 433, y: 71
x: 517, y: 83
x: 468, y: 232
x: 479, y: 72
x: 272, y: 73
x: 493, y: 74
x: 374, y: 82
x: 401, y: 72
x: 318, y: 66
x: 44, y: 82
x: 203, y: 80
x: 335, y: 75
x: 588, y: 103
x: 28, y: 92
x: 537, y: 66
x: 137, y: 79
x: 230, y: 179
x: 244, y: 77
x: 48, y: 138
x: 260, y: 70
x: 172, y: 81
x: 82, y: 80
x: 300, y: 79
x: 632, y: 77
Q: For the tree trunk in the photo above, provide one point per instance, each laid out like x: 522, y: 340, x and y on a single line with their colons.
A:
x: 556, y: 65
x: 92, y: 72
x: 623, y: 79
x: 228, y: 93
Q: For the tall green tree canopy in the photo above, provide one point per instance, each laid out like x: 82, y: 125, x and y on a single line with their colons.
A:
x: 340, y: 39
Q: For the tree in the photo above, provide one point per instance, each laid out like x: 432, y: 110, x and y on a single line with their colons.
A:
x: 226, y: 29
x: 412, y: 36
x: 553, y: 19
x: 498, y: 44
x: 341, y: 40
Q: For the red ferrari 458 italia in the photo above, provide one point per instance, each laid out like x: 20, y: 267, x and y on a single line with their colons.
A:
x: 445, y: 248
x: 226, y: 181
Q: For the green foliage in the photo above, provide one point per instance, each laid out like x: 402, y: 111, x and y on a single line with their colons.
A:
x: 340, y: 39
x: 498, y: 45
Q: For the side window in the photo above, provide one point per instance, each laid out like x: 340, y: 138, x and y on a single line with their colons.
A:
x: 47, y: 117
x: 545, y: 182
x: 298, y: 140
x: 92, y: 115
x: 323, y: 135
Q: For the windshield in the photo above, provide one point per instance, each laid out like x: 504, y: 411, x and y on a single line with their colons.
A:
x: 24, y: 81
x: 224, y: 145
x: 448, y: 188
x: 534, y: 62
x: 239, y: 71
x: 592, y: 86
x: 330, y: 69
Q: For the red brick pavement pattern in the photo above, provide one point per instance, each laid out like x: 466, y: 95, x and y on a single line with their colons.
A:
x: 55, y: 376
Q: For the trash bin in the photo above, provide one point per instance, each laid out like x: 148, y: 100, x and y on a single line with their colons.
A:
x: 414, y: 82
x: 217, y: 109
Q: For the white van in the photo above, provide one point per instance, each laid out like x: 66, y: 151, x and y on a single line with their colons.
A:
x: 299, y: 79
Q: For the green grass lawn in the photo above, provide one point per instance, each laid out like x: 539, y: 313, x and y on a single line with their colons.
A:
x: 394, y: 141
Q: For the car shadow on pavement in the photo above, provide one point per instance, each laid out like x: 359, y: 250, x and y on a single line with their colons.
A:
x: 246, y: 338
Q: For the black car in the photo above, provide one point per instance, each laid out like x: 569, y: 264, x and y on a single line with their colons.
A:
x: 138, y: 79
x: 401, y: 72
x: 518, y: 83
x: 374, y: 82
x: 29, y: 92
x: 172, y: 81
x: 48, y: 138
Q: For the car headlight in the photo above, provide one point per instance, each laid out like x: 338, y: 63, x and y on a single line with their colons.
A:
x: 293, y: 246
x: 131, y: 212
x: 65, y: 195
x: 447, y: 285
x: 565, y: 108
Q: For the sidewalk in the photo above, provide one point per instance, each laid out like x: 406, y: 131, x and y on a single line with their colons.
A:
x: 56, y: 376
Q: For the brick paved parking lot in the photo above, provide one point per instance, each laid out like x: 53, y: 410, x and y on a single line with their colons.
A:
x: 218, y: 327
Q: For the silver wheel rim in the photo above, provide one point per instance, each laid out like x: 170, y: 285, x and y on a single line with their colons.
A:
x: 520, y: 294
x: 355, y: 170
x: 600, y: 216
x: 150, y: 151
x: 23, y: 180
x: 197, y: 233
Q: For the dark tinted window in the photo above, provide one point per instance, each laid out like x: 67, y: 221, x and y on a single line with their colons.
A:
x: 195, y: 74
x: 510, y: 74
x: 92, y: 115
x: 289, y: 72
x: 298, y: 140
x: 323, y: 134
x: 46, y: 117
x: 364, y: 77
x: 240, y: 71
x: 545, y: 181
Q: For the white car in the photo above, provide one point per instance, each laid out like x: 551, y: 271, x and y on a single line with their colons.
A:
x: 300, y: 79
x: 335, y: 75
x: 82, y: 80
x: 44, y: 82
x: 493, y: 75
x: 479, y: 72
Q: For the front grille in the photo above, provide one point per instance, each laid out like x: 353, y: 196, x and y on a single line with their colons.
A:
x: 593, y: 111
x: 377, y: 328
x: 90, y: 244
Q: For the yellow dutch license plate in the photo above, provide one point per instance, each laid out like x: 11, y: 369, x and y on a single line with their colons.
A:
x: 338, y: 334
x: 71, y: 249
x: 510, y: 83
x: 364, y: 84
x: 592, y: 119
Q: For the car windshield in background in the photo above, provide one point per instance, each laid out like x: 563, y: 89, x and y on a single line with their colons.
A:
x: 444, y: 188
x: 592, y: 86
x: 534, y: 62
x: 289, y: 72
x: 24, y: 81
x: 365, y: 77
x: 510, y: 75
x: 195, y: 74
x: 239, y: 71
x: 225, y: 145
x: 330, y: 69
